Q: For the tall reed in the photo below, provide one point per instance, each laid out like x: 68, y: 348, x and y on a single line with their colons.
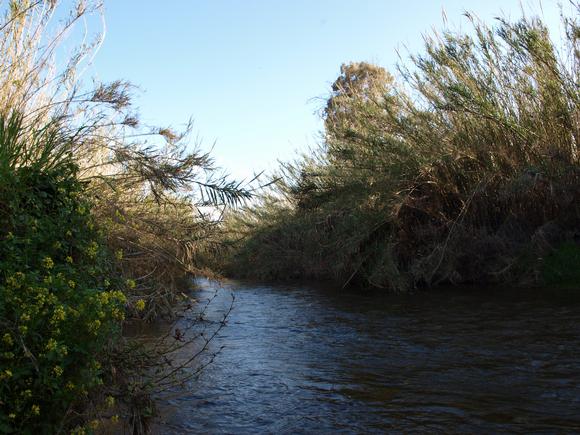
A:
x: 149, y: 185
x: 121, y: 207
x: 463, y: 168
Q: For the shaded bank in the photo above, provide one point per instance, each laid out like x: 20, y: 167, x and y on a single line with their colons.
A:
x: 462, y: 169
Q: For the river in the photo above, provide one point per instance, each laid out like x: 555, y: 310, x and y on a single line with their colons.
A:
x: 304, y: 359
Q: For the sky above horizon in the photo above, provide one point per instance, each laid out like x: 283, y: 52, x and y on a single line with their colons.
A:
x: 253, y: 74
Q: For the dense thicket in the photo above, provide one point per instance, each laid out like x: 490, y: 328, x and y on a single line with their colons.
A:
x: 462, y: 170
x: 61, y: 299
x: 100, y: 219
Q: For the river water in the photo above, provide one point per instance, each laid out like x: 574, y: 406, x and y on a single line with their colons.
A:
x: 303, y: 359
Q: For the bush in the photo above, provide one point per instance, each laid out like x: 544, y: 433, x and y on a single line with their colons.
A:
x: 60, y: 305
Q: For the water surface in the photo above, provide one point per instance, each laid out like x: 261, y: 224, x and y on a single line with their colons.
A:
x: 300, y: 359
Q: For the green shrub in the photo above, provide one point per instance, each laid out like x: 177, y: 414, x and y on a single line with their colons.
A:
x: 60, y: 308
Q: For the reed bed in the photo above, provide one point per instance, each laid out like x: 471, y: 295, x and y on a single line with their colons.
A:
x: 461, y: 167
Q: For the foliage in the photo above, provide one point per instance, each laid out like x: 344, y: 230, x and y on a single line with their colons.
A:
x: 61, y: 301
x: 131, y: 196
x: 148, y: 185
x: 454, y: 172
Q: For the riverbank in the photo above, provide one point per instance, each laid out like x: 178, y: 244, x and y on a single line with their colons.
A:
x: 99, y: 221
x: 463, y: 168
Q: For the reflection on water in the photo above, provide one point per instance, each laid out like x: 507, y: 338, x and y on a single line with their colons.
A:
x: 299, y: 359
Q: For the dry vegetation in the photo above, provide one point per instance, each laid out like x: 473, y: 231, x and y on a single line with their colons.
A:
x: 462, y: 169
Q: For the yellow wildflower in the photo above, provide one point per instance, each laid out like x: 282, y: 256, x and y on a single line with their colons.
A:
x: 59, y: 314
x: 57, y: 370
x: 110, y: 401
x: 118, y: 314
x: 69, y: 259
x: 72, y: 284
x: 36, y: 409
x: 51, y: 344
x: 140, y: 305
x: 94, y: 325
x: 48, y: 263
x: 115, y: 418
x: 15, y: 280
x: 119, y: 295
x: 7, y: 339
x: 92, y: 249
x: 131, y: 283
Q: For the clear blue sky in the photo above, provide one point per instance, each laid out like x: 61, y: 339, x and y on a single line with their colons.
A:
x: 249, y: 71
